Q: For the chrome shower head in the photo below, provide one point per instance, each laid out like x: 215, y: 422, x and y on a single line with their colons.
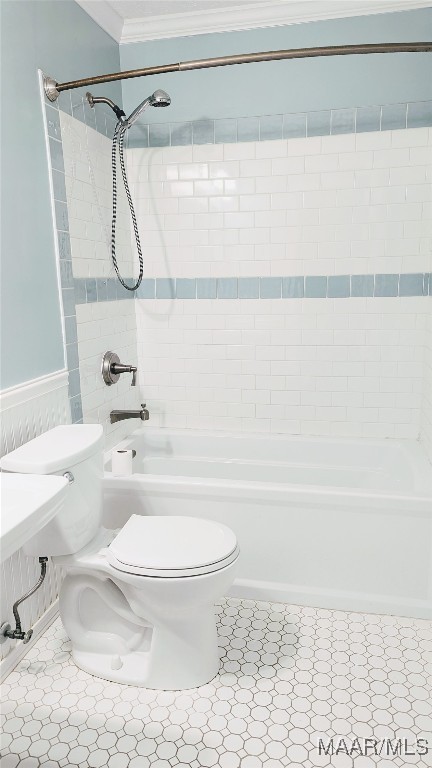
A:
x: 157, y: 99
x: 160, y: 99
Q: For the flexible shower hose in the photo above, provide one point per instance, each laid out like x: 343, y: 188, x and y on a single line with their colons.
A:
x: 118, y: 139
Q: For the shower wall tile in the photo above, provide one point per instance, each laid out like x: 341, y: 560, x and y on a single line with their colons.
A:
x: 386, y: 285
x: 426, y: 410
x: 159, y: 135
x: 165, y: 288
x: 393, y: 117
x: 343, y: 121
x: 225, y: 131
x: 318, y: 123
x: 181, y: 134
x: 343, y: 204
x: 271, y: 127
x: 368, y: 119
x: 203, y: 132
x: 338, y: 286
x: 56, y: 154
x: 147, y: 289
x: 53, y: 122
x: 103, y: 326
x: 87, y: 160
x: 316, y: 287
x: 248, y: 287
x: 294, y: 126
x: 262, y: 127
x: 62, y: 217
x: 292, y: 287
x: 362, y: 285
x: 97, y: 316
x: 186, y: 288
x: 270, y: 287
x: 419, y: 114
x: 59, y: 185
x: 90, y: 288
x: 289, y: 216
x: 332, y: 287
x: 206, y: 288
x: 312, y: 270
x: 248, y: 129
x: 347, y: 367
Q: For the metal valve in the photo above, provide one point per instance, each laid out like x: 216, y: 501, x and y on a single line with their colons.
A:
x: 112, y: 368
x: 6, y: 631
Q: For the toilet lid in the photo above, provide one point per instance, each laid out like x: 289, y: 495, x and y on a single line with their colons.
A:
x: 172, y: 543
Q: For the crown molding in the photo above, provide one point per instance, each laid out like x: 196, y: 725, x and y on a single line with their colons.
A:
x: 105, y: 17
x: 269, y: 14
x: 273, y: 13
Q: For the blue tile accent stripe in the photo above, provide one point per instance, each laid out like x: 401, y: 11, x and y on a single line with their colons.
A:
x: 70, y: 292
x: 296, y: 287
x: 330, y: 122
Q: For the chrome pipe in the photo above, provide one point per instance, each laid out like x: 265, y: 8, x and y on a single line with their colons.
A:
x: 53, y: 89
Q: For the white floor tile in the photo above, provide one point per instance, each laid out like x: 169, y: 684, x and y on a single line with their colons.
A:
x: 289, y: 676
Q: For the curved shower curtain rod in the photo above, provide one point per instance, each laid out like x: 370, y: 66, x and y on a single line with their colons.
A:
x: 53, y: 89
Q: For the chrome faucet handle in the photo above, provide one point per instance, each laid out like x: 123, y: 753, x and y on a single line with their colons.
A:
x: 112, y: 368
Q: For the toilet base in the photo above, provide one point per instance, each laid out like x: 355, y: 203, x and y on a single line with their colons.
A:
x: 136, y: 669
x: 110, y: 640
x: 176, y: 660
x: 143, y: 631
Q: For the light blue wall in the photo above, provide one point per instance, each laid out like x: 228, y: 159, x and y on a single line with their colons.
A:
x: 61, y: 39
x: 285, y: 86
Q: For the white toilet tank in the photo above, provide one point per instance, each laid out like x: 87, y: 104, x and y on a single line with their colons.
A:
x: 78, y: 449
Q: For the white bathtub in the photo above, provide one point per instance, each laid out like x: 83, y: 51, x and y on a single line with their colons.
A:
x: 333, y: 523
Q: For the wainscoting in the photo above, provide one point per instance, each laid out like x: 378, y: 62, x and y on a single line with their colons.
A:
x: 26, y: 412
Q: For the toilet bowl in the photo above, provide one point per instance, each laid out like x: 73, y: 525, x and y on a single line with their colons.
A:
x: 137, y: 603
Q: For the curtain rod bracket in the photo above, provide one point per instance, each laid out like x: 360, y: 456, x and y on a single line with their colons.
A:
x: 50, y: 88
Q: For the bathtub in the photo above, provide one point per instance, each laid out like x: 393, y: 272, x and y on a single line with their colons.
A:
x: 332, y: 523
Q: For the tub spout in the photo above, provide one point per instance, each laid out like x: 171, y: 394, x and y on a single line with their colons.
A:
x: 143, y: 414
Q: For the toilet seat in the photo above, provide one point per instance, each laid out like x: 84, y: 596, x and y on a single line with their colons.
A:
x: 172, y: 547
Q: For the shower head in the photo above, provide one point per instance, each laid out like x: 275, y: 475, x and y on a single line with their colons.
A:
x: 157, y: 99
x: 160, y: 99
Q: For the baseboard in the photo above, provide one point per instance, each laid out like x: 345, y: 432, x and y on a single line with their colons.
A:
x: 355, y: 602
x: 8, y: 664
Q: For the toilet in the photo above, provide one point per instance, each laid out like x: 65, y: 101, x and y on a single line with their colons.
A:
x: 137, y: 603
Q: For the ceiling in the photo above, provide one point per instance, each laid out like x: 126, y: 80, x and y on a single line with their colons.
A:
x: 131, y: 21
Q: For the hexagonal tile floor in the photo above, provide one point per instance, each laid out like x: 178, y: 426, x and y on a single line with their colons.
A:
x: 289, y: 676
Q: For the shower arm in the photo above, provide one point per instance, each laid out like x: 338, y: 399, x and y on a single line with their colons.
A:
x: 53, y: 88
x: 92, y: 100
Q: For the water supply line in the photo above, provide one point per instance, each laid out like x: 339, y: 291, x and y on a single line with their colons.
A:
x: 158, y: 99
x: 6, y: 632
x: 118, y: 139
